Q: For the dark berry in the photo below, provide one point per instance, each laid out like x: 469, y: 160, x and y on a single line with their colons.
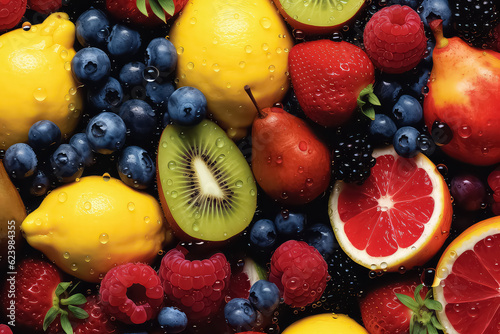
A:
x: 263, y: 233
x: 44, y: 134
x: 405, y: 141
x: 20, y: 161
x: 123, y: 41
x: 136, y: 168
x: 161, y: 53
x: 290, y: 223
x: 187, y: 106
x: 172, y: 320
x: 67, y: 164
x: 473, y: 20
x: 106, y: 133
x: 264, y: 296
x: 468, y: 191
x: 92, y: 28
x: 91, y: 66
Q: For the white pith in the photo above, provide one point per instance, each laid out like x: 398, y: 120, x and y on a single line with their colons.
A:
x: 209, y: 186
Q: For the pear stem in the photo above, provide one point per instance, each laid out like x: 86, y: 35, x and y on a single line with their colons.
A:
x: 260, y: 113
x: 437, y: 29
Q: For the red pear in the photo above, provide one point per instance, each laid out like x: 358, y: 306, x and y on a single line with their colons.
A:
x: 289, y: 162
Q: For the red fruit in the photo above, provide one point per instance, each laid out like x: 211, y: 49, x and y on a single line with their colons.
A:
x: 328, y: 77
x: 98, y: 321
x: 394, y: 39
x: 196, y: 287
x: 11, y: 12
x: 239, y: 287
x: 45, y: 6
x: 300, y: 272
x: 4, y: 329
x: 132, y: 293
x: 127, y: 10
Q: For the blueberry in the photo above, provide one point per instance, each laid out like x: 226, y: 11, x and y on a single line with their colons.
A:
x: 423, y: 72
x: 387, y: 92
x: 405, y: 141
x: 159, y: 93
x: 382, y: 127
x: 187, y: 106
x: 240, y: 314
x: 292, y: 223
x: 131, y: 74
x: 136, y: 168
x: 67, y: 164
x: 92, y: 28
x: 106, y: 133
x: 407, y: 111
x: 321, y: 237
x: 91, y: 65
x: 106, y: 97
x: 44, y: 134
x: 172, y: 320
x: 139, y: 118
x: 123, y: 41
x: 165, y: 119
x: 81, y: 145
x: 40, y: 184
x: 435, y: 9
x: 263, y: 233
x: 20, y: 161
x: 161, y: 53
x: 264, y: 296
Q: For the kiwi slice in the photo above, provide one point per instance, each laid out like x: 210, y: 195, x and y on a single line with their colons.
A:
x: 206, y: 186
x: 321, y: 13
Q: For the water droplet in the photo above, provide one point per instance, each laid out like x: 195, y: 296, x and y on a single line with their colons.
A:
x: 104, y: 238
x: 265, y: 23
x: 174, y: 194
x: 87, y: 258
x: 180, y: 50
x: 164, y: 144
x: 147, y: 220
x: 309, y: 182
x: 402, y: 269
x: 220, y: 142
x: 106, y: 177
x: 196, y: 227
x: 62, y: 197
x: 302, y: 145
x: 74, y: 267
x: 131, y: 206
x: 172, y: 165
x: 271, y: 68
x: 170, y: 182
x: 221, y: 157
x: 242, y: 64
x: 216, y: 68
x: 192, y: 20
x: 265, y: 47
x: 383, y: 266
x: 40, y: 94
x: 87, y: 206
x: 279, y: 160
x: 441, y: 133
x: 489, y: 242
x: 252, y: 192
x: 67, y: 66
x: 190, y: 66
x: 442, y: 273
x: 66, y: 255
x: 248, y: 49
x: 38, y: 222
x: 150, y: 74
x: 465, y: 131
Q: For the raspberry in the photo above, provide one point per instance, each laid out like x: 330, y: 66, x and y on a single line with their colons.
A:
x: 45, y: 6
x: 196, y: 287
x: 300, y: 272
x: 132, y: 293
x: 4, y: 329
x: 11, y: 12
x: 394, y: 39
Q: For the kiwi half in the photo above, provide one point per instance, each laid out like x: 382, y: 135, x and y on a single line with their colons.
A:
x: 206, y: 186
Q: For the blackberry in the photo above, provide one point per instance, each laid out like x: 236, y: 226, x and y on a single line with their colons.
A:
x: 473, y: 20
x: 352, y: 155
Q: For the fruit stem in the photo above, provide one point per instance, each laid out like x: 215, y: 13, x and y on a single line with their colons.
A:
x: 260, y: 113
x: 437, y: 29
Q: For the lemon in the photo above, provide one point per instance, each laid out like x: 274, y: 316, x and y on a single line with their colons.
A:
x: 325, y: 323
x: 90, y: 226
x: 223, y: 46
x: 36, y: 82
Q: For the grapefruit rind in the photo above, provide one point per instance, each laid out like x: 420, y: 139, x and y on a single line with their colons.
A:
x: 432, y: 238
x: 464, y: 242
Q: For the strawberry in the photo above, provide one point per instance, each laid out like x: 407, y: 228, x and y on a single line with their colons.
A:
x: 40, y: 298
x: 4, y: 329
x: 45, y: 6
x: 145, y: 12
x: 98, y: 322
x: 331, y: 79
x: 11, y: 12
x: 403, y: 306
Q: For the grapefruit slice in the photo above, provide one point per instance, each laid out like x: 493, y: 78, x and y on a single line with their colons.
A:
x: 400, y: 216
x: 467, y: 281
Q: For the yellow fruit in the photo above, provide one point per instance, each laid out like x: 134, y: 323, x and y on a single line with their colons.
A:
x: 90, y: 226
x: 326, y: 323
x: 223, y: 46
x: 36, y: 82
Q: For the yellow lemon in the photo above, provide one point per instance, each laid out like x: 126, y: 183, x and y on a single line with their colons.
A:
x: 223, y: 46
x: 90, y: 226
x: 36, y: 82
x: 326, y: 323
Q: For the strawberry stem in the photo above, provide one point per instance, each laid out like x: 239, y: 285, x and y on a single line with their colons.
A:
x: 260, y: 113
x: 366, y: 100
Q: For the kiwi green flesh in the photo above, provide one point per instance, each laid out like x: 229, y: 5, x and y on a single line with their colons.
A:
x: 207, y: 184
x: 321, y: 13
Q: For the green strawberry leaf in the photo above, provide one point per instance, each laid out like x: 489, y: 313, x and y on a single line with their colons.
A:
x: 61, y: 287
x: 141, y: 5
x: 65, y: 323
x: 369, y: 112
x: 435, y: 322
x: 78, y: 312
x: 412, y: 324
x: 50, y: 316
x: 77, y: 299
x: 431, y: 329
x: 366, y: 100
x: 168, y: 6
x: 432, y: 304
x: 417, y: 294
x: 158, y: 10
x: 408, y: 302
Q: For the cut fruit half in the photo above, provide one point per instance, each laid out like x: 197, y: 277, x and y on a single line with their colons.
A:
x: 467, y: 281
x: 206, y: 187
x: 318, y: 16
x: 399, y: 217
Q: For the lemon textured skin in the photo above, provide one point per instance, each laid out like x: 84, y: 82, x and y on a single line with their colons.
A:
x: 326, y: 323
x: 223, y: 46
x: 36, y: 81
x: 88, y: 227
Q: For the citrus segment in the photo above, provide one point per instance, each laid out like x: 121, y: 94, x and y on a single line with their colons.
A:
x: 399, y: 216
x: 468, y: 281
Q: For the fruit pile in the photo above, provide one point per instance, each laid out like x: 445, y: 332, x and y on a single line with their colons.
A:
x: 263, y: 167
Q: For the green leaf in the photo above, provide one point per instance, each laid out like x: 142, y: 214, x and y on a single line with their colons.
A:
x: 156, y: 8
x: 78, y: 312
x: 50, y: 316
x: 63, y: 286
x: 432, y: 304
x: 77, y: 299
x: 66, y: 324
x: 168, y: 6
x: 408, y: 302
x: 73, y: 288
x: 418, y: 299
x: 141, y: 5
x: 412, y: 324
x: 435, y: 322
x: 373, y: 99
x: 369, y: 112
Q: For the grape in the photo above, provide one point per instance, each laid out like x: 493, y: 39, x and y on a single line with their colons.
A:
x: 468, y: 191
